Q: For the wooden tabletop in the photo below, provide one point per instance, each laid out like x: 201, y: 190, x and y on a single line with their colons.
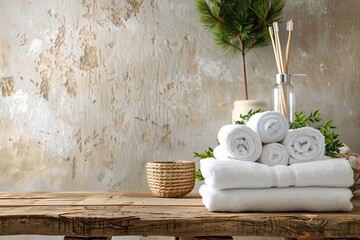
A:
x: 104, y: 214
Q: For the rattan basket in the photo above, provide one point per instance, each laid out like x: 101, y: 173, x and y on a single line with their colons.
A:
x: 171, y: 178
x: 354, y: 159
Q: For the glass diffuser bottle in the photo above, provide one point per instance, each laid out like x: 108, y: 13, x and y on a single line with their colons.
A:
x: 284, y: 96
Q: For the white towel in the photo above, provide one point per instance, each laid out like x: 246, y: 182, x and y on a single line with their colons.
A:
x: 274, y: 154
x: 271, y: 126
x: 223, y: 174
x: 226, y: 174
x: 315, y: 199
x: 238, y: 142
x: 305, y: 144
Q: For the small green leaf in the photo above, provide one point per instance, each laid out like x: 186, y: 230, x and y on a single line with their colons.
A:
x: 199, y: 176
x: 329, y: 123
x: 245, y: 118
x: 317, y: 112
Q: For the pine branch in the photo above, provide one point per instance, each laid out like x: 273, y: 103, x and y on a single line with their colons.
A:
x: 239, y: 25
x: 209, y: 14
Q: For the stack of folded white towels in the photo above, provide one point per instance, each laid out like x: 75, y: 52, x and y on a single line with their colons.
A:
x: 266, y: 167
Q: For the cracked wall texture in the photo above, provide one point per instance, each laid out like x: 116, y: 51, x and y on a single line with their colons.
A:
x: 93, y: 90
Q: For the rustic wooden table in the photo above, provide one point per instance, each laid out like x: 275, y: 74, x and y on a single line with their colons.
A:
x: 101, y: 215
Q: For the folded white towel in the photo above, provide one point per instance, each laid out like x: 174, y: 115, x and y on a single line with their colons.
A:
x: 305, y: 144
x: 271, y: 126
x: 238, y: 142
x: 274, y: 154
x: 335, y: 172
x: 226, y: 174
x: 315, y: 199
x: 223, y: 174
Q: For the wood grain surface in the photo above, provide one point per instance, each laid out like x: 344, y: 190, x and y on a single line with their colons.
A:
x: 106, y: 214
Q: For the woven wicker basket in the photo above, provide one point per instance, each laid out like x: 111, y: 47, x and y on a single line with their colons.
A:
x: 171, y: 178
x: 354, y: 160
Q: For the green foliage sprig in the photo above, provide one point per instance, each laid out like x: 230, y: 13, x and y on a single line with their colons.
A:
x: 244, y: 118
x: 208, y: 153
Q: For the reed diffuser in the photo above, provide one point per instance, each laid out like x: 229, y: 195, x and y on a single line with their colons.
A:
x: 283, y: 92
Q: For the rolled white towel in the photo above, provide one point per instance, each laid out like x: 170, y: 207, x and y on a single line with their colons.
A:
x: 314, y: 199
x: 221, y: 153
x: 305, y: 144
x: 226, y: 174
x: 274, y: 154
x: 238, y: 142
x: 271, y: 126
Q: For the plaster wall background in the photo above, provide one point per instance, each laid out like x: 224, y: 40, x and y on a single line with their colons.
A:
x: 93, y: 90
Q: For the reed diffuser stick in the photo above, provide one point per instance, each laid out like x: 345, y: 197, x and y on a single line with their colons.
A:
x: 283, y: 108
x: 277, y: 41
x: 271, y: 32
x: 289, y: 28
x: 282, y: 89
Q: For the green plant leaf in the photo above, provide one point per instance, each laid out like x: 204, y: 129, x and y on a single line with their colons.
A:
x: 208, y: 153
x: 244, y: 118
x: 198, y: 175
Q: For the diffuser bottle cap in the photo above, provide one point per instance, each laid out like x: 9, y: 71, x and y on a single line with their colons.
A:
x: 282, y: 78
x: 285, y: 77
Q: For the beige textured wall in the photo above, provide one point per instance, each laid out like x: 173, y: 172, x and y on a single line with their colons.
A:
x: 92, y: 90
